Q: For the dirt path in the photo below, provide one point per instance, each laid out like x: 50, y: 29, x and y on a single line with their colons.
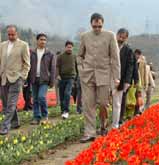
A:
x: 59, y: 155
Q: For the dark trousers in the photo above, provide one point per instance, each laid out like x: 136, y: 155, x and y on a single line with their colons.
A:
x: 137, y: 107
x: 79, y: 97
x: 123, y: 106
x: 65, y: 89
x: 40, y: 108
x: 27, y: 97
x: 10, y: 93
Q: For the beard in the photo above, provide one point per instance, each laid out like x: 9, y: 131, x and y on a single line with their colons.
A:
x: 120, y: 42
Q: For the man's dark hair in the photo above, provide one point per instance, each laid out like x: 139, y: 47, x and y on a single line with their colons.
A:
x: 40, y: 35
x: 58, y: 52
x: 138, y: 51
x: 96, y: 16
x: 12, y: 26
x: 123, y: 30
x: 69, y: 43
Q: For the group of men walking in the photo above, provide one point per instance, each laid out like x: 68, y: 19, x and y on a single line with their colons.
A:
x: 105, y: 65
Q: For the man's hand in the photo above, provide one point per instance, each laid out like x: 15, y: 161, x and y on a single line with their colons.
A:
x: 136, y: 85
x: 116, y: 82
x: 25, y: 85
x: 126, y: 86
x: 58, y: 78
x: 51, y: 85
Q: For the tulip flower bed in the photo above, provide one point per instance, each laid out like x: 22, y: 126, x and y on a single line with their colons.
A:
x: 18, y: 147
x: 135, y: 143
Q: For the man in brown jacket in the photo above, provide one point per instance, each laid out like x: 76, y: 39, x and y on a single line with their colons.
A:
x: 98, y: 63
x: 14, y: 68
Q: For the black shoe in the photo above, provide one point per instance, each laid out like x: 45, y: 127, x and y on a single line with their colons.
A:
x: 102, y: 132
x: 121, y: 123
x: 86, y: 139
x: 30, y: 107
x: 3, y: 132
x: 15, y: 127
x: 25, y: 109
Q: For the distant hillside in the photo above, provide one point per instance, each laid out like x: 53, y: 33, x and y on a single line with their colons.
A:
x: 65, y: 17
x: 55, y: 43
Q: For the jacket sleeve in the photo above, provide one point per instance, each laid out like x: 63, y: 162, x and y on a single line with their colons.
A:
x: 135, y: 72
x: 0, y: 53
x: 58, y: 64
x: 0, y: 61
x: 130, y: 66
x: 26, y: 61
x: 115, y: 58
x: 151, y: 80
x: 76, y: 69
x: 81, y: 53
x: 0, y: 56
x: 52, y: 70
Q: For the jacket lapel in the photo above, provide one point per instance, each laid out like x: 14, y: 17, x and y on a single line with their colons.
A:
x: 5, y: 52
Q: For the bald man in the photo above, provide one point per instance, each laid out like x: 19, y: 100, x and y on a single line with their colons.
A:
x: 14, y: 68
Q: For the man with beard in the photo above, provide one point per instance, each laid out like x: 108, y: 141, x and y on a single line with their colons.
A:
x: 127, y: 69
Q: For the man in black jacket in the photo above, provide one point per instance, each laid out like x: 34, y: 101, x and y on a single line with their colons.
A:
x: 127, y: 69
x: 27, y: 93
x: 42, y: 75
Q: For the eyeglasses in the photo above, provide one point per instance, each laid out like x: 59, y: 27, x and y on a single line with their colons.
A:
x: 11, y: 34
x: 97, y: 27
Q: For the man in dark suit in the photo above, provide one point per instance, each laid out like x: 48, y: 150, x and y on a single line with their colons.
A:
x: 127, y: 69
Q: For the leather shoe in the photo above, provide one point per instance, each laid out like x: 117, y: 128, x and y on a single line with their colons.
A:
x: 102, y: 132
x: 86, y: 139
x: 15, y: 127
x: 3, y: 132
x: 35, y: 122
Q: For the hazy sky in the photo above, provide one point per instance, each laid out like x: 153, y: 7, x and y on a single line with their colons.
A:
x: 65, y: 17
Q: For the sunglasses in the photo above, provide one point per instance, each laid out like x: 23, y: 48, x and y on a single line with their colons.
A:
x: 97, y: 27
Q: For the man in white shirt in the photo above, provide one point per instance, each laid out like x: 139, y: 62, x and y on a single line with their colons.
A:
x: 42, y: 75
x: 14, y: 68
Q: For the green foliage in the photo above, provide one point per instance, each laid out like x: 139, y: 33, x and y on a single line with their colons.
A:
x: 20, y: 147
x: 26, y: 117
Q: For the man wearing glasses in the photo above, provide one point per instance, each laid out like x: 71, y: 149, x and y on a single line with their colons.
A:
x: 98, y: 63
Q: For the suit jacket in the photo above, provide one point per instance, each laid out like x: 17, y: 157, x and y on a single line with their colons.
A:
x: 135, y: 77
x: 149, y: 78
x: 17, y: 64
x: 98, y: 57
x: 142, y: 72
x: 127, y: 66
